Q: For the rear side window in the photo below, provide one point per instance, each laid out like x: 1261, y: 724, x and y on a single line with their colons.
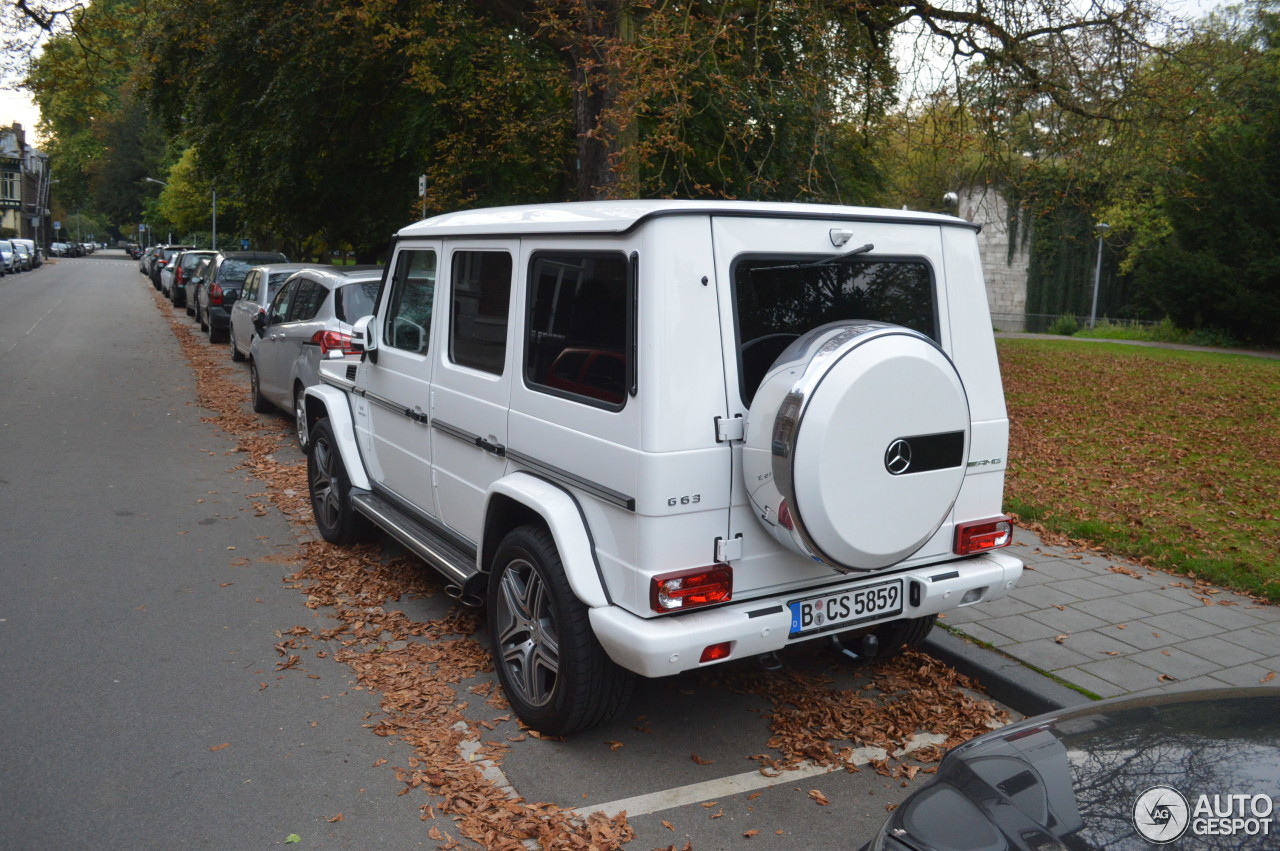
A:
x: 578, y: 341
x: 779, y: 298
x: 481, y: 300
x: 355, y: 300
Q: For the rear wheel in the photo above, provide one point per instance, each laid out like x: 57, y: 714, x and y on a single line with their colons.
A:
x: 300, y: 417
x: 336, y: 518
x: 236, y: 354
x: 556, y: 675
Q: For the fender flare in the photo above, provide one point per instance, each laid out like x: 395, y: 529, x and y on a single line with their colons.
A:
x: 563, y: 517
x: 325, y: 401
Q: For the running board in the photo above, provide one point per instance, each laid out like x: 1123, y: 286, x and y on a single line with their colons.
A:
x: 458, y: 567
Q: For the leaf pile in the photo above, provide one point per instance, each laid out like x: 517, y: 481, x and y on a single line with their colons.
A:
x: 418, y: 668
x: 1168, y: 457
x: 910, y: 695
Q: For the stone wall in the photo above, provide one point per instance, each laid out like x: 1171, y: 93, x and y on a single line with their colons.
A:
x: 1005, y: 272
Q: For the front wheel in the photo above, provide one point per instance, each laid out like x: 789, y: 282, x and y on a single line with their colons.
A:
x: 260, y: 403
x: 336, y: 518
x: 556, y: 675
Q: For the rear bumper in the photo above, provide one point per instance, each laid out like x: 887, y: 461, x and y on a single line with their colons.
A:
x: 661, y: 646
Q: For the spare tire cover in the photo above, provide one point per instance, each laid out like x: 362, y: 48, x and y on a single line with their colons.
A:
x: 856, y: 444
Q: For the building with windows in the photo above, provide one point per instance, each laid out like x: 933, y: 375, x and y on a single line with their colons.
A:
x: 24, y: 187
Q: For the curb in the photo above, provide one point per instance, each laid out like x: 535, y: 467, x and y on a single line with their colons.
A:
x: 1005, y: 679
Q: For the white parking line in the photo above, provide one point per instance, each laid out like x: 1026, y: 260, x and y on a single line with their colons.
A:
x: 749, y: 781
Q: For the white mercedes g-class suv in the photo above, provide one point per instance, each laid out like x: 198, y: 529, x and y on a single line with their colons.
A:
x: 655, y: 435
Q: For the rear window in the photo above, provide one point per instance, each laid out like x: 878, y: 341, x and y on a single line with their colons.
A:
x: 779, y: 298
x: 233, y: 271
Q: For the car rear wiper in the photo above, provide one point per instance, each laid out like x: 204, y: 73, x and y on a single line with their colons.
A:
x: 826, y: 261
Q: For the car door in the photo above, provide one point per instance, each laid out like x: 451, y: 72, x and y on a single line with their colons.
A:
x: 245, y: 308
x: 472, y: 389
x: 310, y: 313
x: 270, y: 350
x: 393, y: 406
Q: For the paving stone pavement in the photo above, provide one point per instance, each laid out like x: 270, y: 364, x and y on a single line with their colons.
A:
x: 1111, y: 627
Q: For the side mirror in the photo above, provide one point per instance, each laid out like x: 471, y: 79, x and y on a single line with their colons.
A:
x: 364, y: 337
x: 259, y: 322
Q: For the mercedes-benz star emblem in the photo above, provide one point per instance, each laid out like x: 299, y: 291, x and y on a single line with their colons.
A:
x: 897, y: 458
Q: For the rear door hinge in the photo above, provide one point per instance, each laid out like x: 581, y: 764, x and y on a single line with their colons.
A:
x: 729, y: 429
x: 728, y: 549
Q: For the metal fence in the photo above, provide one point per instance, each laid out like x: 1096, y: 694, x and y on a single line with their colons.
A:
x: 1042, y: 323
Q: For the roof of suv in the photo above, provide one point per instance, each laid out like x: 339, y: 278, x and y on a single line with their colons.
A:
x: 622, y: 216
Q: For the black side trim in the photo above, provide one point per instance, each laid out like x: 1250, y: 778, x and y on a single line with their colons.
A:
x: 555, y: 474
x: 943, y: 577
x: 759, y: 613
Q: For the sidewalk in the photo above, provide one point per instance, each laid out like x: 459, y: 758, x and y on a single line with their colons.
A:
x: 1110, y: 628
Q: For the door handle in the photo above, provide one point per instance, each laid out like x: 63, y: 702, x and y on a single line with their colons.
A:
x: 494, y: 448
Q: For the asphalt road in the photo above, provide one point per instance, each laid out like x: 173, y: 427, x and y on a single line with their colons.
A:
x: 141, y: 599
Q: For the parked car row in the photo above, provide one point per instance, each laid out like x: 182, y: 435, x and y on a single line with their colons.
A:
x: 282, y: 318
x: 19, y: 255
x: 73, y: 249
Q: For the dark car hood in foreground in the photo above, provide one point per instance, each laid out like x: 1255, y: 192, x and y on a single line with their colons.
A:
x: 1195, y: 770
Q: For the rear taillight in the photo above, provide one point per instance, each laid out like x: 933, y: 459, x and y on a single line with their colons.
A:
x: 329, y: 341
x: 688, y: 589
x: 177, y: 275
x: 983, y: 535
x: 215, y: 294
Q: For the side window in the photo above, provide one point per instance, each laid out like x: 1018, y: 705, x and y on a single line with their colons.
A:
x: 408, y: 314
x: 307, y: 301
x: 250, y: 292
x: 579, y: 326
x: 280, y: 304
x: 481, y: 301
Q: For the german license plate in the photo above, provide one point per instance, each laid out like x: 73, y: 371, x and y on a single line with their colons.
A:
x: 847, y: 608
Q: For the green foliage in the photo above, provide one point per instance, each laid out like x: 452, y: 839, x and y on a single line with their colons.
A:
x: 1219, y: 267
x: 1064, y: 326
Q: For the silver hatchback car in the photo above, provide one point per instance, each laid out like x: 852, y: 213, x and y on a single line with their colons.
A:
x: 309, y: 319
x: 260, y: 287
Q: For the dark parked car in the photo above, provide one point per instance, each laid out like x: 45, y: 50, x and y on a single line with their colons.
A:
x: 182, y: 266
x: 1194, y: 770
x: 163, y: 257
x: 219, y: 287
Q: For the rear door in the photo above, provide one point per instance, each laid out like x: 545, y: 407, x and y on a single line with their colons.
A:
x: 777, y: 280
x: 473, y: 379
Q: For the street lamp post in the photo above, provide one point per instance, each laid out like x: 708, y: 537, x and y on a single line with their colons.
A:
x: 1103, y: 227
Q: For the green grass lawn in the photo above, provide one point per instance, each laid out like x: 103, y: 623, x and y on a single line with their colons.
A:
x: 1169, y: 457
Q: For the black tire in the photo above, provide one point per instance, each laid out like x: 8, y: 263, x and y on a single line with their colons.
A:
x: 204, y: 326
x: 301, y: 432
x: 236, y: 354
x: 260, y: 403
x: 555, y: 674
x: 336, y: 518
x: 890, y: 638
